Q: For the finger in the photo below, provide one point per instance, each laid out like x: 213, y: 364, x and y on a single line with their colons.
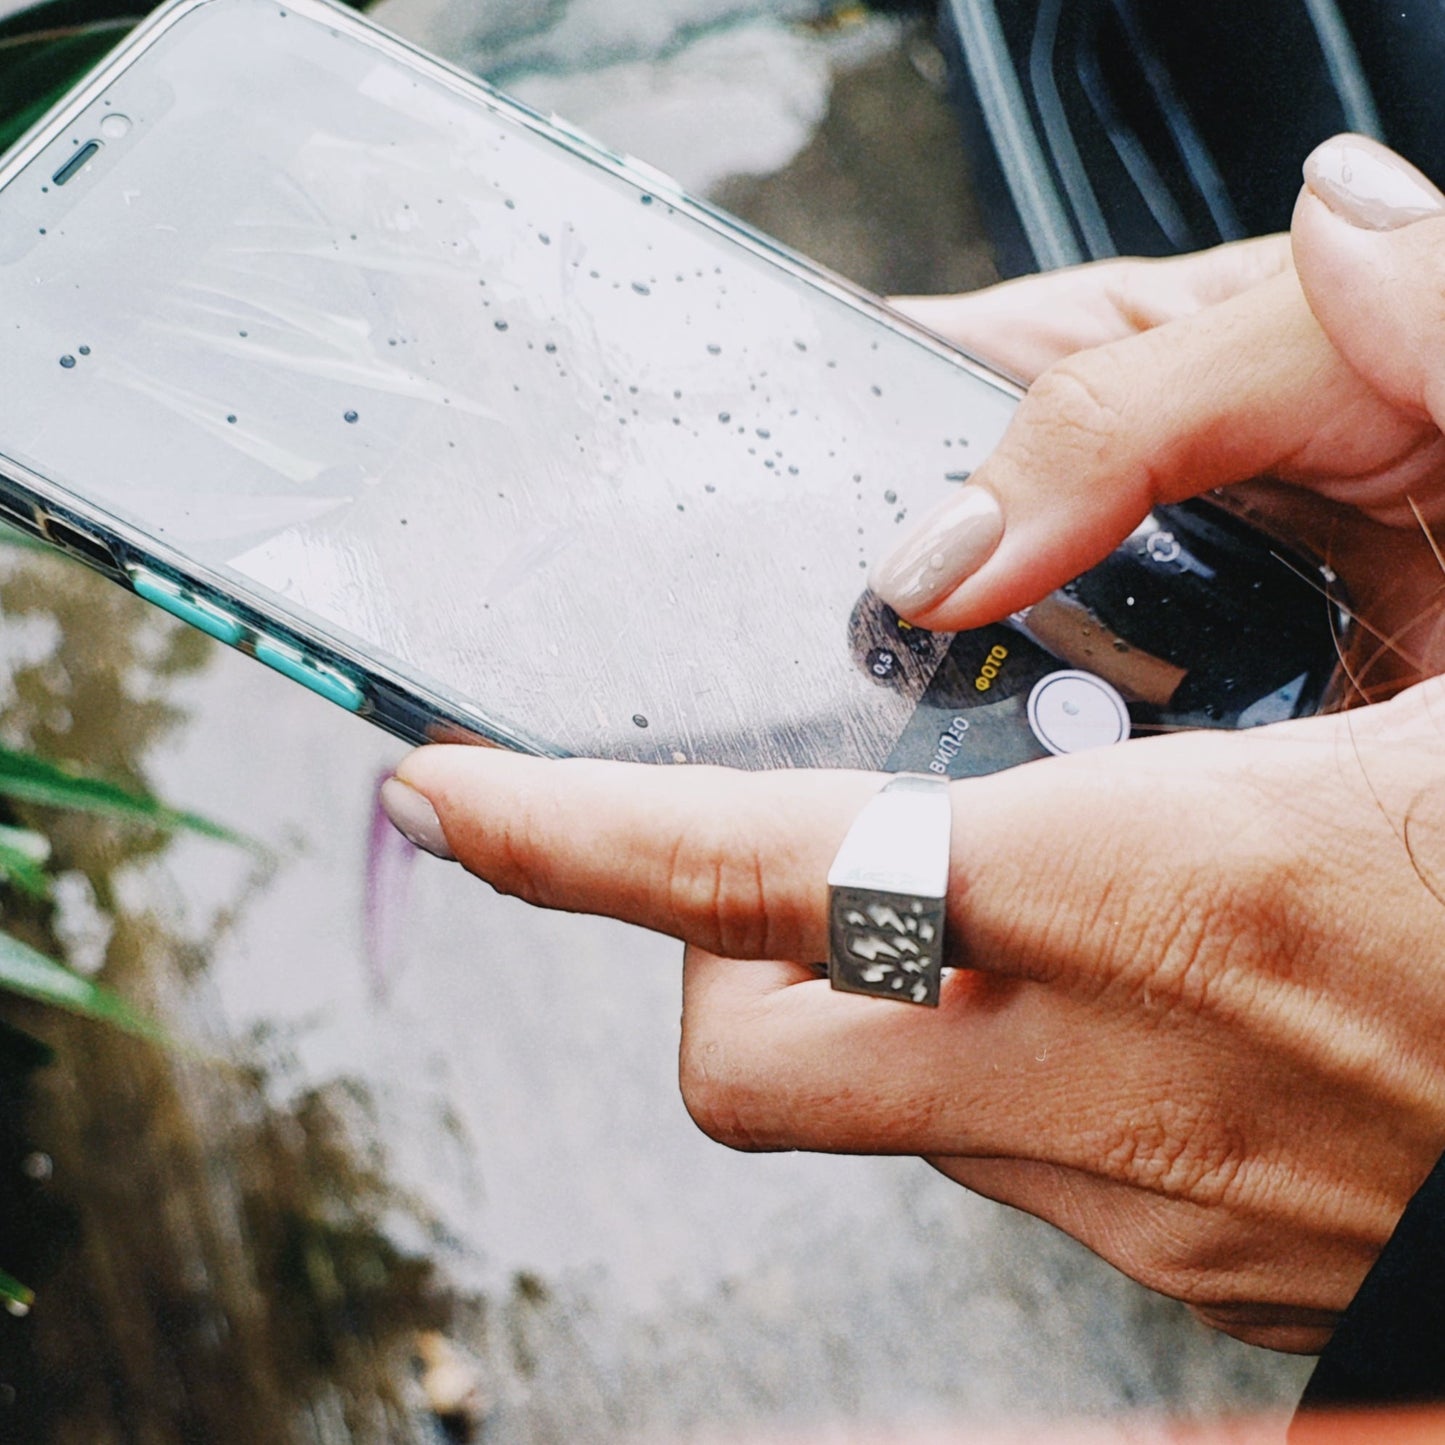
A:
x: 1026, y: 325
x: 773, y: 1058
x: 1369, y: 242
x: 736, y: 862
x: 1235, y: 390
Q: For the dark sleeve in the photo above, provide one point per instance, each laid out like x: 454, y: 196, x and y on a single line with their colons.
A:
x: 1389, y: 1348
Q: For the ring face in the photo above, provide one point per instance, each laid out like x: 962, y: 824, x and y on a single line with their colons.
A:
x: 887, y: 894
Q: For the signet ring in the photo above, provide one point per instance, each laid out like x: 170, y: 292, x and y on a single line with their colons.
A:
x: 887, y: 893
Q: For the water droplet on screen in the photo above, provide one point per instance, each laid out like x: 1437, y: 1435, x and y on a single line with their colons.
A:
x: 638, y: 718
x: 84, y: 350
x: 351, y: 416
x: 67, y: 361
x: 890, y: 496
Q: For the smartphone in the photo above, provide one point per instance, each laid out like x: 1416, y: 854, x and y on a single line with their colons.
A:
x: 482, y: 431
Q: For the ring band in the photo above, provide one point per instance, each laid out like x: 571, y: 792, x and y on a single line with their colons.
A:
x: 887, y: 891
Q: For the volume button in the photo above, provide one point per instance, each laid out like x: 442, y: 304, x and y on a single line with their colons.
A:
x: 325, y: 681
x: 179, y: 602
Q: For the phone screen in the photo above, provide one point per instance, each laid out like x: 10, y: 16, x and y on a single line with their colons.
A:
x: 590, y: 470
x: 475, y: 403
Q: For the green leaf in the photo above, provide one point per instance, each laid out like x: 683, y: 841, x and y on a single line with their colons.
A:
x: 16, y: 1297
x: 24, y: 970
x: 22, y: 860
x: 30, y: 779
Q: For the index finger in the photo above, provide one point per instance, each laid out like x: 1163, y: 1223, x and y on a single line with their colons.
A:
x: 731, y: 861
x: 737, y: 863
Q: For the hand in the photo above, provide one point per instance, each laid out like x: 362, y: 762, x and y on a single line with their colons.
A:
x: 1198, y: 1019
x: 1220, y: 367
x: 1197, y: 1013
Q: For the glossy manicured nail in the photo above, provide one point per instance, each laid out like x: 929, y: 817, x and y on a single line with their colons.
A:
x: 1369, y: 186
x: 414, y: 818
x: 952, y: 543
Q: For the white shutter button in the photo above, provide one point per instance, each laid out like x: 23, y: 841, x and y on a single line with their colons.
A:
x: 1071, y: 712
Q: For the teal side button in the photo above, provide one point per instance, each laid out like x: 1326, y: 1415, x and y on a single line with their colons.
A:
x: 169, y: 595
x: 325, y: 681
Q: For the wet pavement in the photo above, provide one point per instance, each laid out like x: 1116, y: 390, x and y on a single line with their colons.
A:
x: 426, y: 1168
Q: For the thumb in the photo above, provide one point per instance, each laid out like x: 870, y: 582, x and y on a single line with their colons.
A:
x: 1369, y: 246
x: 1238, y: 389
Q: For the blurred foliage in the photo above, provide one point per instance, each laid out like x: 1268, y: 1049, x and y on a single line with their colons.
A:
x: 26, y: 861
x: 217, y: 1268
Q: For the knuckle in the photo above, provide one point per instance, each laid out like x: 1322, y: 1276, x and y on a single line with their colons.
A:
x: 1231, y: 923
x: 1082, y: 400
x: 718, y: 893
x: 718, y: 1097
x: 514, y: 866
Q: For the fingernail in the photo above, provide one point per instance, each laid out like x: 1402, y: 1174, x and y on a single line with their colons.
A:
x: 952, y: 543
x: 1369, y: 186
x: 414, y: 818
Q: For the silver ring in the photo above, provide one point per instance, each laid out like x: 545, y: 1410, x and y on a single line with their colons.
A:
x: 887, y: 891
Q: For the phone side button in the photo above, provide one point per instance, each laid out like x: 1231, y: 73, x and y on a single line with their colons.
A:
x: 170, y: 596
x: 325, y: 681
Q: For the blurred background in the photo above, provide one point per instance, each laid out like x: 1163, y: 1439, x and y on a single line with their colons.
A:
x: 413, y: 1165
